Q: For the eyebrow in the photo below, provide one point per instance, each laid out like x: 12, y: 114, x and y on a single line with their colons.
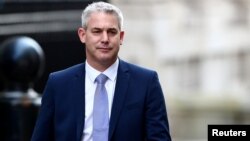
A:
x: 98, y: 28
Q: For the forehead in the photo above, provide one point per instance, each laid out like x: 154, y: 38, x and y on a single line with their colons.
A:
x: 101, y: 20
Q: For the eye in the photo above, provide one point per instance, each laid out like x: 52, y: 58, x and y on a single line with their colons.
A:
x: 96, y: 31
x: 113, y: 31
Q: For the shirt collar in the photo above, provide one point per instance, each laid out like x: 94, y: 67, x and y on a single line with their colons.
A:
x: 110, y: 72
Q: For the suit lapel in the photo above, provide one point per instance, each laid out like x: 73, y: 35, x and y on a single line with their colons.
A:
x: 119, y: 95
x: 78, y: 89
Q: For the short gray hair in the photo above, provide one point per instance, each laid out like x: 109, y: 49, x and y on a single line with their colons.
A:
x: 101, y: 7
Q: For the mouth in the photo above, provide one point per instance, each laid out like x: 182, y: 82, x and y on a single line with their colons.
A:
x: 104, y: 49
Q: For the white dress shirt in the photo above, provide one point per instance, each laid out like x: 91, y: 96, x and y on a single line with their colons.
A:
x: 90, y: 87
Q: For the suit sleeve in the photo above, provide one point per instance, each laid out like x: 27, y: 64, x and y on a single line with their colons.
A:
x: 156, y: 123
x: 43, y: 130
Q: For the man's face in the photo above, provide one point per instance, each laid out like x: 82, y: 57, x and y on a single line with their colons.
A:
x: 102, y: 39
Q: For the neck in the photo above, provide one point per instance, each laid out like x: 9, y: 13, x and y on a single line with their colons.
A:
x: 101, y: 66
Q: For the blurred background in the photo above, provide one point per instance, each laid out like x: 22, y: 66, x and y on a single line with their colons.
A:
x: 52, y: 23
x: 200, y: 49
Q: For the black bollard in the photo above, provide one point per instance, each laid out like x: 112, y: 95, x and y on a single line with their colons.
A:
x: 21, y: 63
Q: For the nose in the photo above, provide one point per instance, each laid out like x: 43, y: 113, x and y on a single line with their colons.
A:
x: 105, y: 37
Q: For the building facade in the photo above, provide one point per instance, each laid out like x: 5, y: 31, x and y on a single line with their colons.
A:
x: 201, y: 50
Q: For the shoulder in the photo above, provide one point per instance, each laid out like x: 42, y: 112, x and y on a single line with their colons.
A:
x: 140, y: 77
x: 135, y: 68
x: 77, y: 69
x: 137, y: 71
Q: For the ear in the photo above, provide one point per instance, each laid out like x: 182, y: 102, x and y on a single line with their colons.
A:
x: 121, y: 37
x: 81, y: 34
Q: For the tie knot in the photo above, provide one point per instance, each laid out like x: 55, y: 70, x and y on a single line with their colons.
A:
x: 101, y: 79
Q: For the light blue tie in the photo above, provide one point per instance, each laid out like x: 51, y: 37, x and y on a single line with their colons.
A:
x: 100, y: 110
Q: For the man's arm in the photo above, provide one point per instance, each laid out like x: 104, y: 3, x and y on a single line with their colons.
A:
x: 157, y: 127
x: 43, y: 130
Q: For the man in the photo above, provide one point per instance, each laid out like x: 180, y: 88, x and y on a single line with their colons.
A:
x: 135, y: 103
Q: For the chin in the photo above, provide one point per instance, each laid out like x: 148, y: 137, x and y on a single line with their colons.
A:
x: 107, y: 60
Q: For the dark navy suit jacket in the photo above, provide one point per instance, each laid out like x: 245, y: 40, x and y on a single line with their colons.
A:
x: 138, y: 110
